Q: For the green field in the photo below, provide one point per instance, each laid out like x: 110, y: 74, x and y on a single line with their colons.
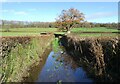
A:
x: 95, y: 34
x: 25, y: 31
x: 18, y: 34
x: 37, y: 31
x: 98, y: 29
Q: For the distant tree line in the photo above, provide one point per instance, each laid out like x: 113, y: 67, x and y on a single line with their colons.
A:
x: 92, y: 25
x: 25, y: 24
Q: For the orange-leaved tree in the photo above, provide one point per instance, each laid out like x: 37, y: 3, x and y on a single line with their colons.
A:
x: 69, y: 18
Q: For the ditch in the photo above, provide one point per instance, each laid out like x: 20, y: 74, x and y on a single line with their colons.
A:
x: 58, y: 66
x: 66, y: 59
x: 81, y: 60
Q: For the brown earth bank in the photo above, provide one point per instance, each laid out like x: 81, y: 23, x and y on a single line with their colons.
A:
x: 17, y: 54
x: 99, y: 56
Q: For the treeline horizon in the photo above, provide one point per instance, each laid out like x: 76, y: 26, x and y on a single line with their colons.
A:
x: 38, y: 24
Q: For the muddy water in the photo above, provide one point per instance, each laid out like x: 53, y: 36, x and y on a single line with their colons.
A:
x: 59, y: 66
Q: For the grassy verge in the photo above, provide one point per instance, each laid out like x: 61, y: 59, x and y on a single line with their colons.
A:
x: 19, y: 53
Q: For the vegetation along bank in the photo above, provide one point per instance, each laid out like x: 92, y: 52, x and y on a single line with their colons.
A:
x: 19, y: 53
x: 98, y: 55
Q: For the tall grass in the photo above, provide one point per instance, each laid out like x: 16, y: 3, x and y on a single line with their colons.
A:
x: 17, y: 61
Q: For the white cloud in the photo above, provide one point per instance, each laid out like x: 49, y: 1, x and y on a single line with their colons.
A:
x: 101, y: 15
x: 6, y: 11
x: 14, y: 12
x: 3, y: 0
x: 20, y: 13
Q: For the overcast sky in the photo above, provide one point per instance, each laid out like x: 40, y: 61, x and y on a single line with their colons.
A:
x: 102, y: 12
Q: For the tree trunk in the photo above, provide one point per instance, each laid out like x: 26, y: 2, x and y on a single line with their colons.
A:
x: 68, y: 30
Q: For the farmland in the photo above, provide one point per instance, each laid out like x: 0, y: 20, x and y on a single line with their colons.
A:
x: 52, y: 42
x: 96, y: 29
x: 37, y: 31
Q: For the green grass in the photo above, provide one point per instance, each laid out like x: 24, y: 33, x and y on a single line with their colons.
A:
x: 96, y: 35
x: 98, y: 29
x: 16, y: 62
x: 36, y: 30
x: 26, y: 31
x: 19, y: 34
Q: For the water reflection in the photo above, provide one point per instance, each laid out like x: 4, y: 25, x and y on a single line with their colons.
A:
x: 60, y: 66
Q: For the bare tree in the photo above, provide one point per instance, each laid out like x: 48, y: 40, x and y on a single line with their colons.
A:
x: 69, y: 18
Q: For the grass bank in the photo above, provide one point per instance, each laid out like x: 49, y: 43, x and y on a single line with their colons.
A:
x: 19, y: 53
